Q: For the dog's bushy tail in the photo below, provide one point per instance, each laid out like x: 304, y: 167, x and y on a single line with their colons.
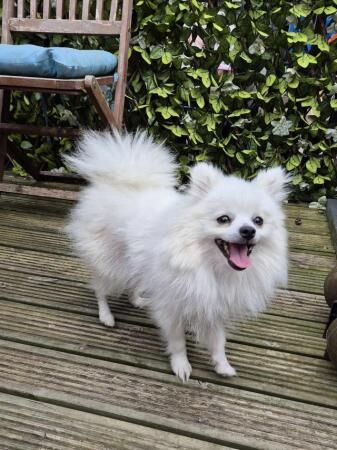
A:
x: 134, y: 161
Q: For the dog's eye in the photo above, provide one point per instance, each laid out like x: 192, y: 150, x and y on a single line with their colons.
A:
x: 258, y: 220
x: 223, y: 219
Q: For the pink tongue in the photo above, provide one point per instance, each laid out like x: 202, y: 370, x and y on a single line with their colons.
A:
x: 238, y: 255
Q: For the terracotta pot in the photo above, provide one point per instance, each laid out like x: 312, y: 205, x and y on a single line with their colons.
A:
x: 330, y: 287
x: 331, y: 340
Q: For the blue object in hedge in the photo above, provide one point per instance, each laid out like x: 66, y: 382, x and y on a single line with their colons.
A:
x: 54, y: 62
x: 330, y: 36
x: 292, y: 28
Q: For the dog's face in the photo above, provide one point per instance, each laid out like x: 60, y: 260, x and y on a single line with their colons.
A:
x: 235, y: 217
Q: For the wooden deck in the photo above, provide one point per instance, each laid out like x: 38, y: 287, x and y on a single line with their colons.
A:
x: 66, y: 382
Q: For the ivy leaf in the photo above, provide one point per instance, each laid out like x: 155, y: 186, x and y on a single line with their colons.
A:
x: 176, y: 130
x: 318, y: 180
x: 312, y: 165
x: 164, y: 111
x: 330, y: 10
x: 216, y: 104
x: 293, y: 162
x: 200, y: 102
x: 301, y: 10
x: 270, y: 80
x: 25, y: 145
x: 239, y: 112
x: 305, y: 60
x: 243, y: 94
x: 257, y: 48
x: 156, y: 52
x: 232, y: 5
x: 240, y: 157
x: 245, y: 57
x: 297, y: 179
x: 166, y: 58
x: 281, y: 127
x: 294, y: 37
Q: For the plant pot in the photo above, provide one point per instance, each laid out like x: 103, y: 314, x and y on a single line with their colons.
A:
x: 331, y: 340
x: 330, y: 287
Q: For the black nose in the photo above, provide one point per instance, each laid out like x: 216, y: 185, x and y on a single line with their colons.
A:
x: 247, y: 232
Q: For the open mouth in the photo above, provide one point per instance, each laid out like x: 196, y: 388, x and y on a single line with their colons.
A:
x: 237, y: 254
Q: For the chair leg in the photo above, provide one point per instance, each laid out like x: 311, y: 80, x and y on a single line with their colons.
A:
x: 4, y: 116
x: 96, y: 95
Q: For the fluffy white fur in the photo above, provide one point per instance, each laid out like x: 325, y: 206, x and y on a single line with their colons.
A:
x: 138, y: 234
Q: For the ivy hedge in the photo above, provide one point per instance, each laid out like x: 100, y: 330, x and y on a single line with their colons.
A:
x: 243, y: 83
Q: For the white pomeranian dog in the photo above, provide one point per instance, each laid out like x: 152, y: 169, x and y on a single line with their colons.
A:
x: 197, y: 260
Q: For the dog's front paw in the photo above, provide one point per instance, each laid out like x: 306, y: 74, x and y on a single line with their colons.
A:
x: 107, y: 318
x: 181, y: 367
x: 225, y: 369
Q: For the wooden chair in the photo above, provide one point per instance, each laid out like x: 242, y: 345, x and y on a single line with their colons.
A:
x: 63, y: 22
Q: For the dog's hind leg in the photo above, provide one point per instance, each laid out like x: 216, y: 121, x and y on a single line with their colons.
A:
x: 101, y: 291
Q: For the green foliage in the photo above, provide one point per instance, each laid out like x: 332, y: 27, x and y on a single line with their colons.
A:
x: 277, y: 106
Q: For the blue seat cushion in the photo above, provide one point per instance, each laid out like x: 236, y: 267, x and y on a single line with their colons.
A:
x: 25, y: 60
x: 72, y: 63
x: 54, y: 62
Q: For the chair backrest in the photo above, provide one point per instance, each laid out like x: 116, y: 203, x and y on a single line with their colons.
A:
x: 83, y: 17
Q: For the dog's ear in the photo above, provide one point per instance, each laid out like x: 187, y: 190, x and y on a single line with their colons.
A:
x: 275, y: 182
x: 204, y: 176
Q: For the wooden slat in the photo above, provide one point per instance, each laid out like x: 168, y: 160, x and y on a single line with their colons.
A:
x: 46, y: 9
x: 99, y: 10
x: 270, y: 331
x: 38, y: 191
x: 85, y: 9
x: 51, y: 26
x: 299, y: 305
x: 303, y: 212
x: 40, y: 425
x: 97, y: 97
x: 42, y: 264
x: 65, y: 86
x: 202, y: 410
x: 58, y: 208
x: 315, y: 244
x: 309, y: 226
x: 59, y: 9
x: 55, y: 223
x: 268, y: 371
x: 309, y: 261
x: 123, y: 56
x: 307, y: 272
x: 7, y: 81
x: 8, y: 11
x: 113, y: 10
x: 20, y: 9
x: 72, y: 9
x: 32, y: 5
x: 76, y: 297
x: 301, y: 279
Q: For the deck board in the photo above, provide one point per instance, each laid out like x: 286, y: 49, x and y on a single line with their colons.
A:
x: 68, y: 382
x: 152, y: 398
x: 43, y: 425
